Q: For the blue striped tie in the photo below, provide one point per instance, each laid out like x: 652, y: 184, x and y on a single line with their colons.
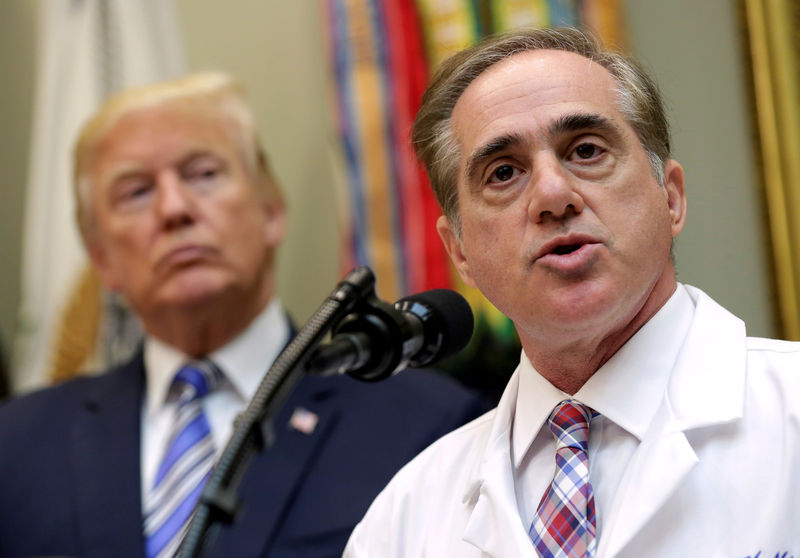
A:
x: 186, y: 464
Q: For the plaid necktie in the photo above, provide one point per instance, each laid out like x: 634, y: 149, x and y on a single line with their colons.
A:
x: 564, y: 526
x: 186, y: 465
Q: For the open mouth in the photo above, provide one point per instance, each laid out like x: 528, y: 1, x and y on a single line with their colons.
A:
x: 566, y: 249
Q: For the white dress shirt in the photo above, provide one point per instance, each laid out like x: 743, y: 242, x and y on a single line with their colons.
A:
x: 243, y: 361
x: 642, y: 366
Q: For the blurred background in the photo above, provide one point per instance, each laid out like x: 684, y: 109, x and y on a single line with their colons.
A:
x: 334, y: 84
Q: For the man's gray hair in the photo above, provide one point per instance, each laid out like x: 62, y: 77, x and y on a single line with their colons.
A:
x: 637, y: 94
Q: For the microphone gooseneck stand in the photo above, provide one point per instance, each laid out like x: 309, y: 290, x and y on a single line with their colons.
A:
x: 218, y: 502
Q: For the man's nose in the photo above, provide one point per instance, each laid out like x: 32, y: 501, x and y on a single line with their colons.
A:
x: 552, y: 192
x: 173, y: 201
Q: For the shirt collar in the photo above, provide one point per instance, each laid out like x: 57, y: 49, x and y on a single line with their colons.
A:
x: 627, y: 389
x: 536, y: 398
x: 244, y: 360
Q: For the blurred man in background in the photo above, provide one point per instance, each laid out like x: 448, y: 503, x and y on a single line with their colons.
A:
x: 180, y: 213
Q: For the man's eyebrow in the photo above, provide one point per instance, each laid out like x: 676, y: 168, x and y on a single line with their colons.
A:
x: 197, y: 153
x: 585, y: 121
x: 488, y: 150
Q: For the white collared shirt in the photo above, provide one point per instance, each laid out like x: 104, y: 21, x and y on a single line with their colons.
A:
x: 642, y: 366
x: 243, y: 361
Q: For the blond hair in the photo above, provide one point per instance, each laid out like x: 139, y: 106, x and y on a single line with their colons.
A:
x: 208, y: 93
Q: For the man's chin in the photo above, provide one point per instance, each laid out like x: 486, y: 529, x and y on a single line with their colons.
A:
x: 186, y: 292
x: 582, y: 304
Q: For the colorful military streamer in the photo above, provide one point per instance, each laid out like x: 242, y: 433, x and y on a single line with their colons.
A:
x: 382, y: 54
x: 380, y: 73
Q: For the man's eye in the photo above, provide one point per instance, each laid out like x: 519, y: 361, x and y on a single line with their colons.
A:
x: 131, y: 193
x: 586, y: 151
x: 502, y: 173
x: 204, y: 172
x: 205, y: 177
x: 138, y: 191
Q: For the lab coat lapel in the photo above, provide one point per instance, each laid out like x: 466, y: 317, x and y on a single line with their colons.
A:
x: 706, y: 389
x: 659, y: 465
x: 494, y: 525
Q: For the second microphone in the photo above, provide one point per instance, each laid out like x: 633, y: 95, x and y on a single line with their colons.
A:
x: 380, y: 340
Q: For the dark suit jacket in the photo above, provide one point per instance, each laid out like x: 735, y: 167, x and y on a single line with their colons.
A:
x: 70, y: 464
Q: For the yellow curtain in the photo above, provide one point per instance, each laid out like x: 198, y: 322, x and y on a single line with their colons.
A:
x: 774, y: 47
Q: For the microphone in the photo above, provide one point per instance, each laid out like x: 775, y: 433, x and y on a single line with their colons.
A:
x: 375, y: 344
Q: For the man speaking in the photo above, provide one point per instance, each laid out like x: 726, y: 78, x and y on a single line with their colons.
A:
x: 641, y: 420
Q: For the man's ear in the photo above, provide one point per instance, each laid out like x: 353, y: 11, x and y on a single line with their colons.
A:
x: 274, y: 210
x: 452, y: 243
x: 102, y: 266
x: 676, y: 195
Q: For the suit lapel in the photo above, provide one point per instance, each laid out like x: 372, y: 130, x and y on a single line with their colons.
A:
x: 106, y: 465
x: 274, y: 476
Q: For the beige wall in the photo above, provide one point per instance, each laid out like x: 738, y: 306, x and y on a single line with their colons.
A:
x: 17, y: 70
x: 276, y: 49
x: 697, y: 53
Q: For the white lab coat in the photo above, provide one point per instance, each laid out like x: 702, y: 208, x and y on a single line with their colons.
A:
x: 716, y: 475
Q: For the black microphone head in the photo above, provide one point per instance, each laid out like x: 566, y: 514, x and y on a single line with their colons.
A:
x: 447, y: 321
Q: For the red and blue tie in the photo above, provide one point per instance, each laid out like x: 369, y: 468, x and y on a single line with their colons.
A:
x: 564, y: 526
